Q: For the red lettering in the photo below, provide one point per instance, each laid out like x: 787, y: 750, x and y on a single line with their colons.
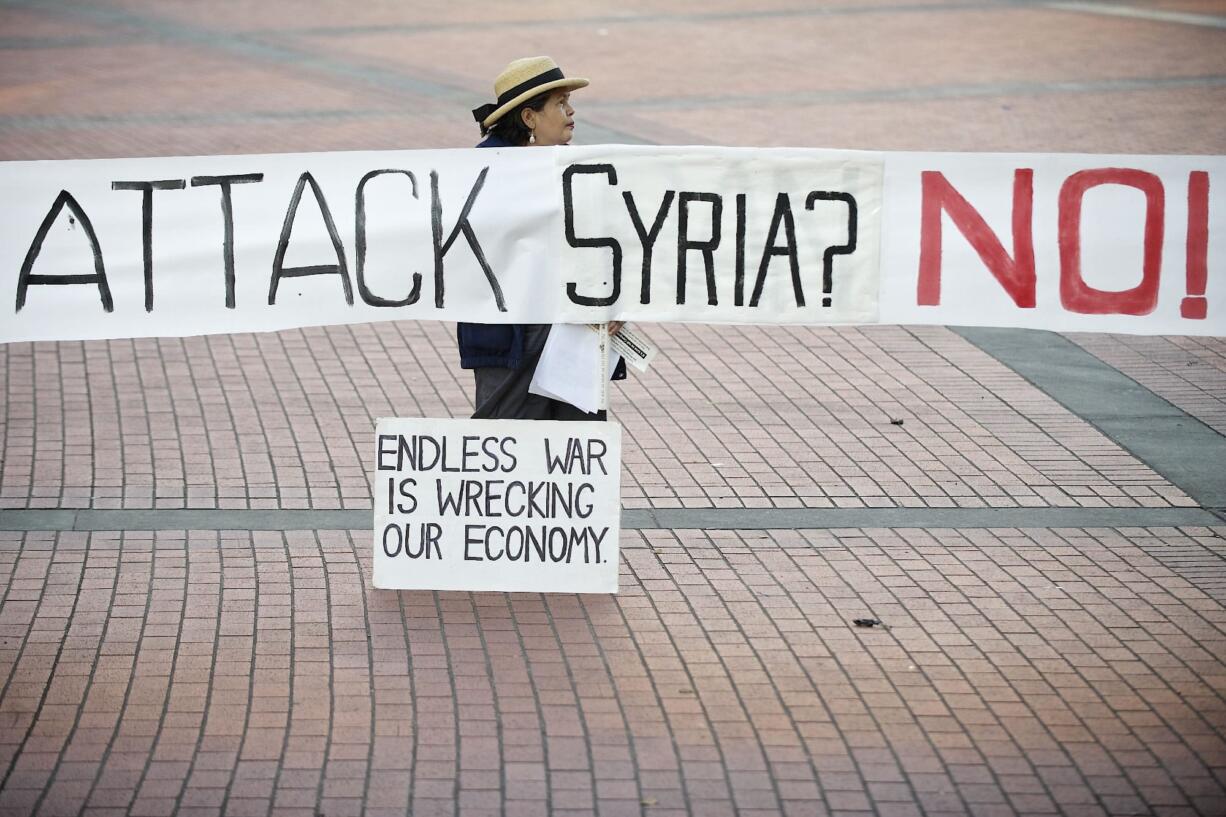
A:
x: 1016, y: 274
x: 1075, y: 294
x: 1195, y: 306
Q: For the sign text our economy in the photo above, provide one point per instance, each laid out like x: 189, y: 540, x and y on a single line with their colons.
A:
x: 510, y: 505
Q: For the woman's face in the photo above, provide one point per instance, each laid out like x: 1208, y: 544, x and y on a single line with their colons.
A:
x: 555, y: 123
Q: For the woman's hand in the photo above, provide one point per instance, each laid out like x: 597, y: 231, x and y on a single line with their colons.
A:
x: 615, y: 327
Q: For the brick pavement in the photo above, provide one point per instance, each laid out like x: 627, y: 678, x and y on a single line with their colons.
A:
x: 730, y: 417
x: 1018, y: 671
x: 1021, y: 670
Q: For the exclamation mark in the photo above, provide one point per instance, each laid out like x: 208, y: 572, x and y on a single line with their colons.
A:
x: 1195, y: 306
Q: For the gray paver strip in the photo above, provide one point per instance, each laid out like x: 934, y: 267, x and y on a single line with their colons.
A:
x: 632, y: 519
x: 1188, y: 371
x: 1175, y: 444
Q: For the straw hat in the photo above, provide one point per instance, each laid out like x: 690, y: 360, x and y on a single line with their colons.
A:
x: 519, y: 82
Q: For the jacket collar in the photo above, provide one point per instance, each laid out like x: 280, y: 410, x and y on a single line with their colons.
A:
x: 493, y: 141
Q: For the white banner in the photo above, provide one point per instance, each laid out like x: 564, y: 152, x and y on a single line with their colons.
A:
x: 505, y: 505
x: 195, y: 245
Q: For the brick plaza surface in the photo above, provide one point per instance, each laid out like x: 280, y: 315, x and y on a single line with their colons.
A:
x: 730, y: 417
x: 1020, y: 670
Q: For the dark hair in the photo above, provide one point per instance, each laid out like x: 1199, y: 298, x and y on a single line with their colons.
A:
x: 510, y: 126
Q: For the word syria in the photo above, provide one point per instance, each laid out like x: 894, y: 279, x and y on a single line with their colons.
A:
x: 780, y: 240
x: 484, y: 504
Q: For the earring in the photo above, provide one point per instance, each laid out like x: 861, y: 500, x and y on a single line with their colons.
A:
x: 532, y: 137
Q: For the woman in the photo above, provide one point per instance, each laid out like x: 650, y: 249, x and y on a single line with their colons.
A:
x: 533, y: 108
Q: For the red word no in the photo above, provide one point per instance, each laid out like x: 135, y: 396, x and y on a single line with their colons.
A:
x: 1016, y: 272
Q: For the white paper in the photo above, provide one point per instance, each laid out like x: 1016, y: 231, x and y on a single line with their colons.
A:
x: 573, y: 367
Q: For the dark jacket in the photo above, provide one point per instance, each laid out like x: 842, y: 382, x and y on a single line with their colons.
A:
x: 498, y: 344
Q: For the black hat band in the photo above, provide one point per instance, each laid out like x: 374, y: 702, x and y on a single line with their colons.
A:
x: 483, y: 112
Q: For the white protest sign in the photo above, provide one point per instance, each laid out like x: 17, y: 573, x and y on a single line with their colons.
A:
x: 500, y: 505
x: 197, y: 245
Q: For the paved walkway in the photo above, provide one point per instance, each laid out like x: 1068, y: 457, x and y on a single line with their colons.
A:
x: 186, y: 618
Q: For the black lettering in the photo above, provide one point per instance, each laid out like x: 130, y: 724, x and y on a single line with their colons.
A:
x: 360, y: 242
x: 438, y: 453
x: 684, y: 244
x: 469, y: 540
x: 739, y: 279
x: 146, y: 223
x: 561, y: 502
x: 599, y: 539
x: 431, y: 533
x: 648, y: 237
x: 384, y: 451
x: 596, y: 449
x: 568, y: 210
x: 558, y: 555
x: 468, y: 453
x: 421, y: 542
x: 392, y: 553
x: 443, y: 460
x: 491, y: 456
x: 448, y: 501
x: 522, y: 552
x: 538, y: 544
x: 555, y: 464
x: 472, y: 498
x: 535, y: 489
x: 405, y: 485
x: 461, y: 226
x: 493, y: 495
x: 406, y: 451
x: 575, y: 537
x: 523, y: 506
x: 490, y: 555
x: 574, y: 453
x: 279, y: 270
x: 512, y: 461
x: 26, y: 278
x: 584, y: 509
x: 227, y: 217
x: 783, y: 214
x: 837, y: 249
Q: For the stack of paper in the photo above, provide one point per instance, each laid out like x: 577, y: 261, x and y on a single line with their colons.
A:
x: 574, y: 366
